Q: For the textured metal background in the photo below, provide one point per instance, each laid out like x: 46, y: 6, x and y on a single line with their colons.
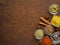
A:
x: 19, y: 18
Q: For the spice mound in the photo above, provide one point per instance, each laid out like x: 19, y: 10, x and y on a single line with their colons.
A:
x: 48, y: 29
x: 55, y: 21
x: 46, y: 41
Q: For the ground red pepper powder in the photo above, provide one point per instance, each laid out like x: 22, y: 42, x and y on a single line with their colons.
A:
x: 46, y: 41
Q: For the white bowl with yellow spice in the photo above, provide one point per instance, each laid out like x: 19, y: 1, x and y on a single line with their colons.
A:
x: 39, y: 34
x: 53, y: 9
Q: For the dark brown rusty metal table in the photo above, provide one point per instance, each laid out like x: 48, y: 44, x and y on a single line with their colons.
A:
x: 19, y: 19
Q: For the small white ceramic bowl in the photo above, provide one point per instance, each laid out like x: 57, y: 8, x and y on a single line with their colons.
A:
x: 39, y: 34
x: 56, y: 7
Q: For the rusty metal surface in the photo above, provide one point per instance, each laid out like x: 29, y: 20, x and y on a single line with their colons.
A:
x: 19, y: 18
